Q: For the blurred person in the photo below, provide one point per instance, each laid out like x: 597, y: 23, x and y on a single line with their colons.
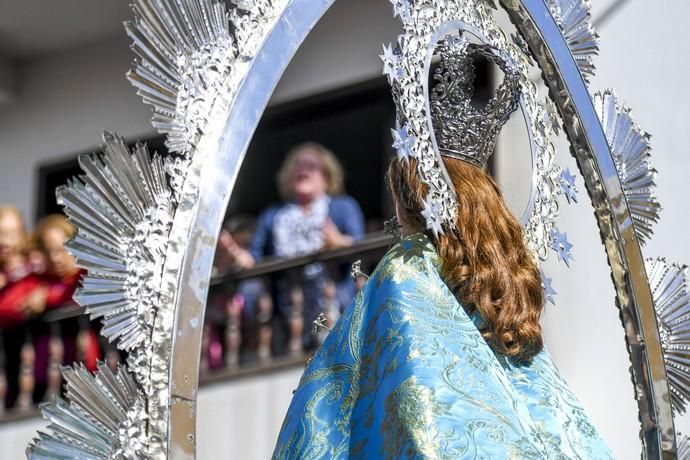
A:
x: 21, y: 292
x: 314, y: 215
x: 227, y: 316
x: 22, y: 296
x: 61, y: 278
x: 35, y: 256
x: 238, y: 231
x: 61, y: 273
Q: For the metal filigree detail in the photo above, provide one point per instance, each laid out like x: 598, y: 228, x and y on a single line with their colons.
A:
x: 122, y: 209
x: 632, y: 156
x: 184, y: 53
x: 669, y: 285
x: 575, y: 20
x: 192, y: 57
x: 103, y: 418
x: 356, y: 271
x: 463, y: 130
x: 421, y: 23
x: 187, y: 52
x: 320, y: 323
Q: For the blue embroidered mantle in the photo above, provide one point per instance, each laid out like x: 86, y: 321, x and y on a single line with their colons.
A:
x: 405, y: 374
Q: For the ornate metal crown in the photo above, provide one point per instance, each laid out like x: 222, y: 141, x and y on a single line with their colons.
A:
x: 462, y: 129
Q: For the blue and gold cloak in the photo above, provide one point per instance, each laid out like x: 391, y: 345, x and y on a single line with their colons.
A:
x: 406, y: 374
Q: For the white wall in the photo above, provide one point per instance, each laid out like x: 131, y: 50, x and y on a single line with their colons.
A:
x: 242, y: 420
x: 63, y: 104
x: 644, y: 56
x: 66, y: 100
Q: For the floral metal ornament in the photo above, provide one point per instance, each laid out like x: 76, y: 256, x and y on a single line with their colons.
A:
x: 669, y: 283
x: 179, y: 69
x: 191, y: 58
x: 122, y: 209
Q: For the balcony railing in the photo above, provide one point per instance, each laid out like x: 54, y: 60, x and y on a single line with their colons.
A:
x: 240, y: 339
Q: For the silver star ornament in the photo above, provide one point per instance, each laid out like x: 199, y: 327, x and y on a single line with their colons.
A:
x: 568, y: 186
x: 562, y: 246
x: 391, y: 64
x: 401, y: 9
x: 403, y: 142
x: 433, y: 214
x: 546, y: 285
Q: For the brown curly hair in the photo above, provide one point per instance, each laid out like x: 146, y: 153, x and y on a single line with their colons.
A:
x: 485, y: 261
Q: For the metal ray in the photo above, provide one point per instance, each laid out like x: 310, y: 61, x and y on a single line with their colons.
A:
x: 575, y: 21
x: 632, y: 156
x: 669, y: 284
x: 89, y: 422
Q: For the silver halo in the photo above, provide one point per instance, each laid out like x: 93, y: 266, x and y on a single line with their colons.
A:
x: 442, y: 31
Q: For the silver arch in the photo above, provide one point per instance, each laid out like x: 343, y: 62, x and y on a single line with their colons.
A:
x: 216, y: 179
x: 216, y: 163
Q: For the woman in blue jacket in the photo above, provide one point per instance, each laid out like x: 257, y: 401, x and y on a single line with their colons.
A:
x: 314, y: 215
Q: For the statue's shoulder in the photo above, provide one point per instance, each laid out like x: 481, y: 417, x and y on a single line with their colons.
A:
x: 416, y: 247
x: 412, y: 258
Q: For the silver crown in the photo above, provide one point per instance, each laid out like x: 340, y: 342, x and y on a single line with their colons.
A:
x: 463, y: 130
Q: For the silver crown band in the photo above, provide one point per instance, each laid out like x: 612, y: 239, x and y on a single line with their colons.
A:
x: 460, y: 156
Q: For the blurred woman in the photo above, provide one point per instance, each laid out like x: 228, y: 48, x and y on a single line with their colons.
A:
x: 314, y: 215
x: 61, y: 272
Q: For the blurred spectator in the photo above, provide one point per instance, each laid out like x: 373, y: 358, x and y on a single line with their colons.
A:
x: 240, y: 229
x: 61, y: 278
x: 22, y: 296
x: 35, y: 256
x: 233, y: 308
x: 314, y: 215
x: 61, y: 274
